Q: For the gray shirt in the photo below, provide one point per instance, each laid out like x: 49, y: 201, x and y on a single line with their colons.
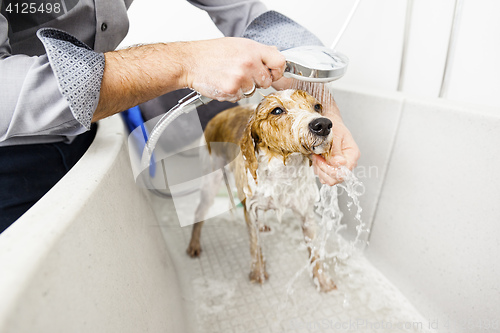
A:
x: 51, y: 64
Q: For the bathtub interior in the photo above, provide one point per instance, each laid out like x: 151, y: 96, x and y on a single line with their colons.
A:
x: 221, y: 298
x: 429, y: 202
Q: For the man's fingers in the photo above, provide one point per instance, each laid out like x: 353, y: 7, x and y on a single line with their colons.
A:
x: 263, y: 78
x: 274, y: 61
x: 327, y: 178
x: 276, y: 74
x: 327, y: 173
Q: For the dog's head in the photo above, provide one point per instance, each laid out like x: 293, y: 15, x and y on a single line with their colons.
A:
x: 287, y: 122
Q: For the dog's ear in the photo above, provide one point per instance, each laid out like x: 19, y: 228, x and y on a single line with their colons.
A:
x: 248, y: 145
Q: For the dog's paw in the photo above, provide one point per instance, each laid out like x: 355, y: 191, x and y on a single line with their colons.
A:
x: 322, y: 279
x: 323, y: 282
x: 194, y: 249
x: 326, y: 284
x: 259, y: 276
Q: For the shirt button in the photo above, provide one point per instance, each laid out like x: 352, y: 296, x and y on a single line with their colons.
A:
x: 104, y: 27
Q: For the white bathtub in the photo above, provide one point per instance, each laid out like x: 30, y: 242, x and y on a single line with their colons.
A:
x: 91, y: 256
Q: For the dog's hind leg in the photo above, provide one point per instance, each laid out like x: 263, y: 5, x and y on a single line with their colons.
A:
x: 209, y: 188
x: 258, y: 268
x: 194, y: 248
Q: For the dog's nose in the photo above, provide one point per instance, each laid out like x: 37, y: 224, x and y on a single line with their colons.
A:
x: 321, y: 126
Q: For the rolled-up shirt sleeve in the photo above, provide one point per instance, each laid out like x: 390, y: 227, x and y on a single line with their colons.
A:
x: 251, y: 19
x: 273, y: 28
x: 54, y: 94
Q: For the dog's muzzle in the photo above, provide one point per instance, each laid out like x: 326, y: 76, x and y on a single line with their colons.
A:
x: 321, y: 126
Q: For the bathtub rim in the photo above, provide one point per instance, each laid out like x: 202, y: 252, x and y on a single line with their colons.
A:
x: 28, y: 241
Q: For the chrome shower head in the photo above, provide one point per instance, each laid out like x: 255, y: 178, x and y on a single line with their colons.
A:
x: 314, y: 64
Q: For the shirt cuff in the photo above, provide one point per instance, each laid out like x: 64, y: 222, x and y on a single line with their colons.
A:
x: 78, y: 70
x: 273, y: 28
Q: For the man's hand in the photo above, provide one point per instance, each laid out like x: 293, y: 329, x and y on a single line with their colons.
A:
x: 226, y: 68
x: 345, y: 152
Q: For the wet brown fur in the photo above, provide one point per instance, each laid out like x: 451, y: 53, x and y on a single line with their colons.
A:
x: 255, y: 129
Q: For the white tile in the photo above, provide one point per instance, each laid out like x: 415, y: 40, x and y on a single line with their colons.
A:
x: 427, y: 46
x: 475, y: 69
x: 435, y: 233
x: 324, y: 21
x: 374, y: 42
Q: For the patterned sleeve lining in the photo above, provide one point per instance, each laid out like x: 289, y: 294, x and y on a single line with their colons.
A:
x: 273, y: 28
x: 78, y: 70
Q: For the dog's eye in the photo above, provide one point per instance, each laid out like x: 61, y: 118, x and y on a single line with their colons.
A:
x: 277, y: 111
x: 318, y: 108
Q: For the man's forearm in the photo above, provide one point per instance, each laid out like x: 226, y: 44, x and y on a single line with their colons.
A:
x: 138, y: 74
x: 220, y: 69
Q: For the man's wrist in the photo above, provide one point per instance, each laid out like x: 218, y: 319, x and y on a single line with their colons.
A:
x: 178, y: 58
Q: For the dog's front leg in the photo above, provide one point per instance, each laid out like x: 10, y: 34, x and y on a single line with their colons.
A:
x: 258, y: 268
x: 321, y: 278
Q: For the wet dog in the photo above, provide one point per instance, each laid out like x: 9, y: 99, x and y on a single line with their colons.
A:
x: 268, y: 148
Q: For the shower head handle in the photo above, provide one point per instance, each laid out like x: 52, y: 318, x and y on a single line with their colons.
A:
x: 314, y: 64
